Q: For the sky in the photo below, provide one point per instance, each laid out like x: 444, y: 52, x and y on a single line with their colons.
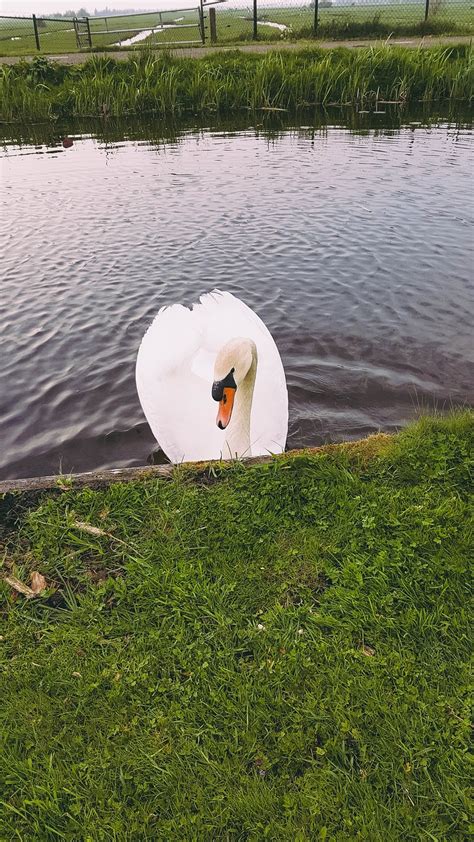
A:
x: 43, y: 7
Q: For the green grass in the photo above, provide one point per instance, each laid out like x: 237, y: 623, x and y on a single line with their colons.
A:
x: 58, y: 36
x: 226, y: 82
x: 276, y: 652
x: 235, y: 25
x: 17, y: 37
x: 363, y: 21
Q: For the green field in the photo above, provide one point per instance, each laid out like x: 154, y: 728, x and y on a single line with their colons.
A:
x: 345, y: 21
x: 235, y: 25
x: 407, y: 14
x: 17, y: 37
x: 277, y: 652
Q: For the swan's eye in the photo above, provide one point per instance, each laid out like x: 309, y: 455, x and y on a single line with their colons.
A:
x: 219, y: 385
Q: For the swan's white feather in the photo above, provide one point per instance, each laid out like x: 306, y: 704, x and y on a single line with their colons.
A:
x: 174, y: 375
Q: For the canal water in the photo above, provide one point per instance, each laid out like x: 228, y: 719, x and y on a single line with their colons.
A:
x: 354, y: 245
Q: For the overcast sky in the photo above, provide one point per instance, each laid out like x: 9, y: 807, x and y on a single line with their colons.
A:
x: 43, y: 7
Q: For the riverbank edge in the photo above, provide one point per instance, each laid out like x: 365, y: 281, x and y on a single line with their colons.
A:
x: 360, y: 451
x: 227, y: 82
x: 366, y: 447
x: 415, y: 42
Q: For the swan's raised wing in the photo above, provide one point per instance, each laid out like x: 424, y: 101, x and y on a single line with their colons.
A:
x: 174, y: 375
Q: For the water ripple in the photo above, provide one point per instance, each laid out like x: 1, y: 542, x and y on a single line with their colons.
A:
x: 355, y: 249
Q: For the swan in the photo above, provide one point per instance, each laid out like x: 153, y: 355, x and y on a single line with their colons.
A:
x: 219, y: 351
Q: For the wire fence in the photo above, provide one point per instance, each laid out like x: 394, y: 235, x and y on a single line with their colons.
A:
x: 234, y: 21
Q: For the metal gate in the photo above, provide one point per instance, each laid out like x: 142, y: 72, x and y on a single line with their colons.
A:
x: 141, y: 25
x: 83, y: 33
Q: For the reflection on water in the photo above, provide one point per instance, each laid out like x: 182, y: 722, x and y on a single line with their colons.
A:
x: 353, y: 245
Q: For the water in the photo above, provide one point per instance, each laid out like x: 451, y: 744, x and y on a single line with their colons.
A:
x: 354, y: 247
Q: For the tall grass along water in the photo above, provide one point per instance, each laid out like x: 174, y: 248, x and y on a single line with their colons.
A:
x: 226, y: 83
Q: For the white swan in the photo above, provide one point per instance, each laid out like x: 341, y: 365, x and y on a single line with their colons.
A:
x: 220, y: 350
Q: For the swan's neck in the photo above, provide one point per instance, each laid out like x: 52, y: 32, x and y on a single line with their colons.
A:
x: 237, y: 440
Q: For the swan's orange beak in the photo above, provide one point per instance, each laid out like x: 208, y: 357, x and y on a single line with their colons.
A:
x: 226, y: 404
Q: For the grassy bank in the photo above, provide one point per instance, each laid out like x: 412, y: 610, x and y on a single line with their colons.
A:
x: 226, y: 82
x: 274, y: 652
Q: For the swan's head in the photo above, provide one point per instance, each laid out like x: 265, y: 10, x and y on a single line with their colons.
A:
x: 232, y: 365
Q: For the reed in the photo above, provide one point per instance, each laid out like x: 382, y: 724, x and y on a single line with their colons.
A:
x: 225, y: 82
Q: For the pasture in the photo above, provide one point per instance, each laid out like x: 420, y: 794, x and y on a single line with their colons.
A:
x: 235, y: 25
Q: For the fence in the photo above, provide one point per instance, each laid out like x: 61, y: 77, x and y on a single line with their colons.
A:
x: 233, y: 21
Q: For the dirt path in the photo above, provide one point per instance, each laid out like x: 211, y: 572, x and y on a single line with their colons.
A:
x: 198, y: 52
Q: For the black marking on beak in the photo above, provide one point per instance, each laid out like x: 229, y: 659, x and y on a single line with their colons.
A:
x: 219, y: 385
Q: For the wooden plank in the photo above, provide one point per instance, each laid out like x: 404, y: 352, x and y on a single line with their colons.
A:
x: 99, y: 479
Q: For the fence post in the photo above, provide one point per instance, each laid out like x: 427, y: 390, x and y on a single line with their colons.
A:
x: 255, y: 16
x: 35, y: 27
x: 427, y: 9
x: 212, y: 25
x: 201, y: 22
x: 316, y: 11
x: 76, y: 30
x: 89, y: 36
